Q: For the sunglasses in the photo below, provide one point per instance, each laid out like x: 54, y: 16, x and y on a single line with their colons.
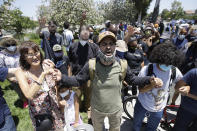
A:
x: 8, y: 45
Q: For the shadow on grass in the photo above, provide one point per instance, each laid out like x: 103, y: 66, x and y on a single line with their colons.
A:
x: 19, y: 103
x: 16, y: 120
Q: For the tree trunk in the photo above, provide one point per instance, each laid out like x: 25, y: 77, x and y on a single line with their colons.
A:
x: 139, y: 16
x: 156, y: 11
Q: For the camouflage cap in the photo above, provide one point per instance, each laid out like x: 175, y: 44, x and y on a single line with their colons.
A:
x: 106, y: 34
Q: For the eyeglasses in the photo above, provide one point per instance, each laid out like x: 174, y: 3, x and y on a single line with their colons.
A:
x: 8, y: 45
x: 33, y: 54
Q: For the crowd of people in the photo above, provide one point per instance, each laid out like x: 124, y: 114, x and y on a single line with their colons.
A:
x: 94, y: 72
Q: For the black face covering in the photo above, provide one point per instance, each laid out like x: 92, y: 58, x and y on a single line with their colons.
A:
x: 91, y: 35
x: 58, y: 55
x: 131, y: 49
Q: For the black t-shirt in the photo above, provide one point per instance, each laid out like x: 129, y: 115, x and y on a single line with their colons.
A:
x: 53, y: 39
x: 49, y: 41
x: 190, y: 59
x: 134, y: 59
x: 79, y: 55
x: 62, y: 65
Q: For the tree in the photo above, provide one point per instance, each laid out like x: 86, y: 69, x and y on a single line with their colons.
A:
x: 43, y: 11
x: 141, y: 7
x: 5, y: 13
x: 118, y: 10
x: 165, y: 14
x: 12, y: 19
x: 74, y: 11
x: 177, y: 10
x: 156, y: 11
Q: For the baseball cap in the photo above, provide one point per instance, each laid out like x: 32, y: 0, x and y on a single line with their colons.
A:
x: 105, y: 35
x: 121, y: 46
x: 8, y: 40
x: 57, y: 47
x: 131, y: 39
x: 148, y: 28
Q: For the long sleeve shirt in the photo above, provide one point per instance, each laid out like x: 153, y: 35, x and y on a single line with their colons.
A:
x: 83, y: 76
x: 106, y: 84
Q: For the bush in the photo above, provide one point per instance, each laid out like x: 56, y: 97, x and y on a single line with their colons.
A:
x: 34, y: 37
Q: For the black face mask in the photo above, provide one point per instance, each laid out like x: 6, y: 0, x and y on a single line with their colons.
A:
x: 132, y: 49
x: 58, y: 55
x: 91, y: 35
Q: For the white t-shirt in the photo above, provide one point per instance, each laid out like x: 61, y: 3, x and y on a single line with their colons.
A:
x: 69, y: 112
x: 9, y: 60
x: 68, y: 37
x: 155, y: 100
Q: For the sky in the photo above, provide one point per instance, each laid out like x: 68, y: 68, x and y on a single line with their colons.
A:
x: 29, y: 7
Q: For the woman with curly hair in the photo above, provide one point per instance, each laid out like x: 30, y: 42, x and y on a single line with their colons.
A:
x: 37, y: 84
x: 152, y: 100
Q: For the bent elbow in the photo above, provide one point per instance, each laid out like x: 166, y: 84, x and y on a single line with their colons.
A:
x: 29, y: 97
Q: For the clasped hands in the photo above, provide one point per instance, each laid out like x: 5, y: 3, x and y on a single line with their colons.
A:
x: 49, y: 68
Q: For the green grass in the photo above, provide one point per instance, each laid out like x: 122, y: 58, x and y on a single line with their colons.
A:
x: 10, y: 95
x: 34, y: 37
x: 25, y: 123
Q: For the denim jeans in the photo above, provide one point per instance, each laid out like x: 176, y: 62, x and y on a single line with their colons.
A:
x: 139, y: 114
x: 9, y: 124
x: 183, y: 120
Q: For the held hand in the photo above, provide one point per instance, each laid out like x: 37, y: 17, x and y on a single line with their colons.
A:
x: 57, y: 75
x: 156, y: 82
x: 184, y: 90
x: 48, y: 72
x: 48, y: 64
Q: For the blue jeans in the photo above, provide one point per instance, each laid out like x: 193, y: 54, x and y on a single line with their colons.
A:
x: 139, y: 114
x: 183, y: 120
x: 9, y: 124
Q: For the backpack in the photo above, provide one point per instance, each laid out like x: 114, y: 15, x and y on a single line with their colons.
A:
x: 167, y: 29
x: 92, y: 68
x: 172, y: 77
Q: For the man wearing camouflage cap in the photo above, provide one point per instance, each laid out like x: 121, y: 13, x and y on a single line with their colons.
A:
x: 106, y: 73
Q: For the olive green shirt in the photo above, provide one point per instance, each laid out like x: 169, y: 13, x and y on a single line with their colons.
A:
x: 106, y: 88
